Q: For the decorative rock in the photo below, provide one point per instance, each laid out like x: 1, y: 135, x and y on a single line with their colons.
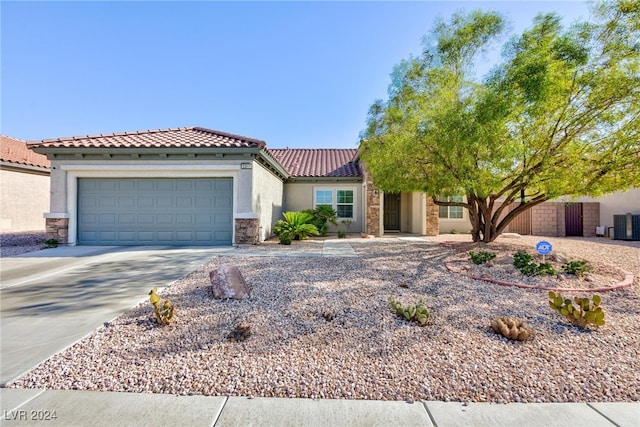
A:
x: 228, y: 282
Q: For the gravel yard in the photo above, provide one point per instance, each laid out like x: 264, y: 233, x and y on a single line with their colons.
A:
x: 365, y: 351
x: 18, y: 243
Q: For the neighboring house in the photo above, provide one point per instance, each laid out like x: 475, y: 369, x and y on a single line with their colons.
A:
x: 24, y: 187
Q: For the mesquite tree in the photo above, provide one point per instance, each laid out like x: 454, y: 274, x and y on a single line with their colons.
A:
x: 558, y: 116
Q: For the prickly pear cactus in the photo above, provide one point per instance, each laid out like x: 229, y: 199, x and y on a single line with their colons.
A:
x: 164, y: 312
x: 512, y: 328
x: 417, y: 312
x: 585, y: 313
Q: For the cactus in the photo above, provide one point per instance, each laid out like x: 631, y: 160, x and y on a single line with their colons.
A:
x: 512, y: 328
x: 417, y: 312
x: 241, y: 332
x: 585, y: 312
x: 164, y: 312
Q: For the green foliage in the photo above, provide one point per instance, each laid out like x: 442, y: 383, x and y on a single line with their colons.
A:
x: 524, y: 262
x: 417, y: 313
x: 558, y: 116
x: 481, y: 257
x: 164, y: 311
x: 322, y: 216
x: 51, y: 243
x: 342, y: 234
x: 295, y: 226
x: 577, y: 268
x: 584, y: 313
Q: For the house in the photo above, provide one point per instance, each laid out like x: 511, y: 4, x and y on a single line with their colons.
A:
x: 24, y: 186
x: 197, y: 186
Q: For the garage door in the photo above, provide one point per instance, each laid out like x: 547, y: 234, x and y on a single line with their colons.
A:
x: 140, y: 211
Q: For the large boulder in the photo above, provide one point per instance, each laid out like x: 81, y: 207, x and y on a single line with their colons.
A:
x: 228, y: 282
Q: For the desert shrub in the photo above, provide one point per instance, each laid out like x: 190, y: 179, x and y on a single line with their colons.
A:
x: 481, y: 257
x: 524, y: 262
x: 295, y: 226
x: 51, y: 243
x: 577, y: 268
x: 584, y: 314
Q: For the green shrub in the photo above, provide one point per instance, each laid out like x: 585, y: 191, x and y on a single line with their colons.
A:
x: 51, y: 243
x: 417, y: 313
x: 583, y: 314
x: 577, y: 268
x: 342, y: 234
x: 322, y: 215
x: 295, y: 226
x: 524, y: 262
x: 481, y: 257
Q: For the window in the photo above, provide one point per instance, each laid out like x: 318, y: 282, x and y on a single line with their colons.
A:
x: 345, y: 204
x: 450, y: 212
x: 342, y: 203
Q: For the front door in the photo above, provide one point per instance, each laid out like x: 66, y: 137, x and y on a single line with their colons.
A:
x: 391, y: 215
x: 573, y: 219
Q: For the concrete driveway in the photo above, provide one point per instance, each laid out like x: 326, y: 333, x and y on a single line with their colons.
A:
x: 54, y: 297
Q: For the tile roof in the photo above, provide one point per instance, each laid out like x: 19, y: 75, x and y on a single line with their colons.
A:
x: 185, y: 137
x: 16, y: 151
x: 318, y: 162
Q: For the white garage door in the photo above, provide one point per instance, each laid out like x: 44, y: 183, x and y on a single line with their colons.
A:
x: 157, y: 211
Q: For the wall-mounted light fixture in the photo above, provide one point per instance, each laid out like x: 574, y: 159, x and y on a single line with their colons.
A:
x: 375, y: 192
x: 246, y: 165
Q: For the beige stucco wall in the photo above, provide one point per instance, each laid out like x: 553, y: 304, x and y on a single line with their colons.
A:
x: 618, y: 203
x: 459, y: 225
x: 65, y: 174
x: 24, y: 198
x: 299, y: 196
x: 268, y: 192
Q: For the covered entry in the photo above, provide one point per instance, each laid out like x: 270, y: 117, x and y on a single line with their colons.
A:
x: 155, y: 211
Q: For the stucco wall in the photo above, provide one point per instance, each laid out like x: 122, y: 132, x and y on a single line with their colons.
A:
x: 618, y: 203
x: 299, y: 196
x: 268, y: 192
x: 24, y: 198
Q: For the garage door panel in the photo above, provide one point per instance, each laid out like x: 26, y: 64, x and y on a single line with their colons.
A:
x: 155, y: 211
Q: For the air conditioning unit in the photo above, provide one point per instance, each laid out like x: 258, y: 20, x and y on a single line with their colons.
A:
x: 626, y: 227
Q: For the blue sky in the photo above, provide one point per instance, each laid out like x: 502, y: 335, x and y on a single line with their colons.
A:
x: 295, y: 74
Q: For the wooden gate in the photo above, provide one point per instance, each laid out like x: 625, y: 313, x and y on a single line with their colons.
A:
x: 521, y: 224
x: 573, y: 219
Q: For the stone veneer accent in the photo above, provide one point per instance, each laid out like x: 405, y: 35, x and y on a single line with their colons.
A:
x: 372, y: 195
x: 57, y: 229
x: 246, y: 231
x: 433, y: 217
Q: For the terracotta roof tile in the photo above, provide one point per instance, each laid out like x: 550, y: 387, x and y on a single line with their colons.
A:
x: 318, y: 162
x: 17, y: 151
x: 186, y: 137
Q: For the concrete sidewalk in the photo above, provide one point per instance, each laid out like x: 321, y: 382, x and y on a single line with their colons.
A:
x: 105, y: 409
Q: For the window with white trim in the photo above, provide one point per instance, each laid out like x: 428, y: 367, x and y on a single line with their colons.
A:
x: 450, y: 212
x: 340, y: 200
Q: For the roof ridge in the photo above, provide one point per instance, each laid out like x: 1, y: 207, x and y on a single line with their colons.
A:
x: 229, y: 135
x: 111, y: 134
x: 11, y: 137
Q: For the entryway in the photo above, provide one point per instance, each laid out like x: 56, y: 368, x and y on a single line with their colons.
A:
x: 391, y: 213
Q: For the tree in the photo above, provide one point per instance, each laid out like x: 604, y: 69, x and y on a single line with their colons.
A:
x: 559, y: 116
